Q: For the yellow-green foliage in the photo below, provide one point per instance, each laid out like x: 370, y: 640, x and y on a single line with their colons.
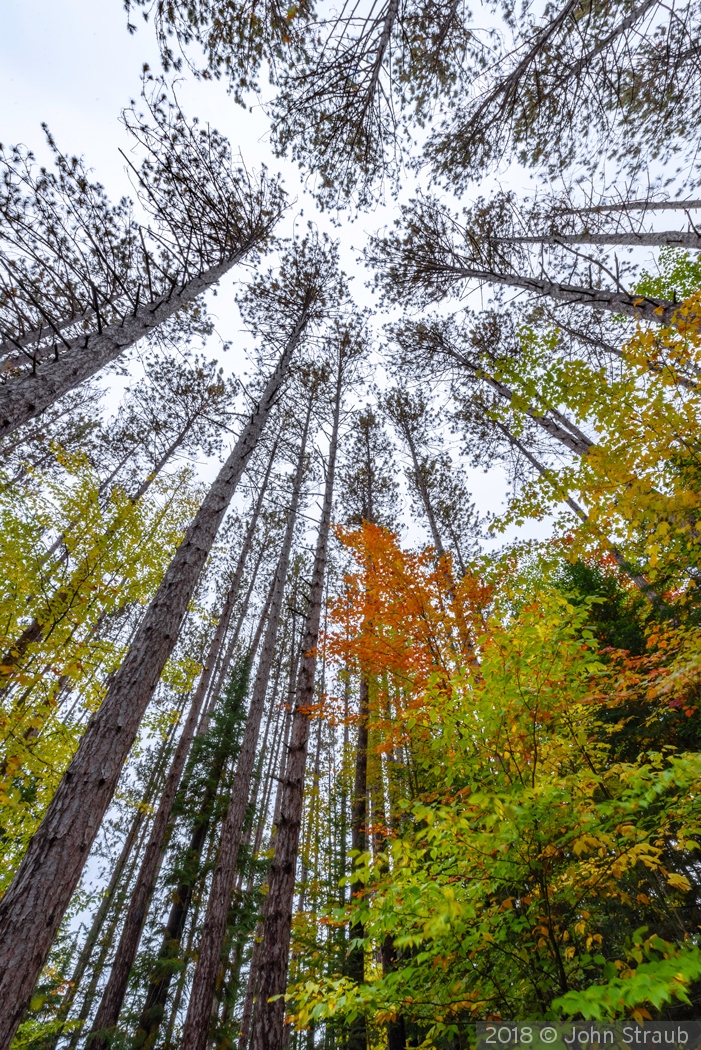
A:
x: 80, y: 601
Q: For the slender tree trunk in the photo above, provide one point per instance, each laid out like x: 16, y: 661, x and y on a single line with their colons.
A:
x: 225, y: 663
x: 273, y: 763
x: 504, y: 87
x: 249, y: 999
x: 344, y: 801
x: 559, y: 427
x: 33, y: 631
x: 269, y: 1017
x: 396, y: 1032
x: 236, y: 956
x: 641, y: 205
x: 27, y: 395
x: 115, y: 878
x: 203, y: 986
x: 311, y: 821
x: 32, y: 908
x: 390, y: 17
x: 648, y: 239
x: 108, y: 939
x: 643, y: 585
x: 113, y: 995
x: 660, y: 311
x: 162, y: 462
x: 425, y: 498
x: 355, y: 961
x: 159, y: 986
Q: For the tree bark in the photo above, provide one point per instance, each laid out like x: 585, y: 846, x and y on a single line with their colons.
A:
x: 560, y: 428
x: 640, y: 307
x: 159, y: 986
x: 26, y: 396
x: 32, y: 908
x: 247, y: 1013
x: 98, y: 967
x: 226, y: 661
x: 269, y: 1017
x: 640, y: 205
x: 195, y: 1030
x: 355, y: 961
x: 115, y: 878
x: 425, y: 499
x: 113, y: 995
x: 311, y: 828
x: 34, y: 631
x: 645, y: 239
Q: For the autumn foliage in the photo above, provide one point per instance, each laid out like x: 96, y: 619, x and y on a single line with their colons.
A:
x: 533, y: 814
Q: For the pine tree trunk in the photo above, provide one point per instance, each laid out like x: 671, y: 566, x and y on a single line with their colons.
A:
x: 34, y: 631
x: 660, y: 311
x: 26, y: 396
x: 115, y: 878
x: 34, y: 904
x: 113, y: 995
x: 269, y: 1017
x: 425, y: 498
x: 159, y: 986
x: 645, y: 239
x: 98, y: 967
x: 226, y: 661
x: 203, y: 986
x: 311, y: 822
x: 249, y: 999
x: 559, y: 427
x: 355, y: 962
x: 643, y: 585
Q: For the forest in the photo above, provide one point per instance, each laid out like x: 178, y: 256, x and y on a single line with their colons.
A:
x: 303, y: 746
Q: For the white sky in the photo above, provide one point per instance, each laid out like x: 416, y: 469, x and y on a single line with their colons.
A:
x: 73, y: 65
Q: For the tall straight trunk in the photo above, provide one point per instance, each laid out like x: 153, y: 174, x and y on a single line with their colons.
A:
x: 396, y: 1032
x: 661, y: 311
x: 98, y: 967
x: 295, y: 657
x: 249, y: 998
x: 159, y: 985
x: 108, y: 898
x: 423, y: 491
x: 189, y: 951
x: 273, y: 763
x: 203, y: 986
x: 113, y: 995
x: 644, y: 238
x: 224, y: 663
x: 559, y: 426
x: 640, y: 205
x: 32, y: 909
x: 232, y: 982
x: 342, y: 859
x: 162, y: 462
x: 312, y: 821
x: 271, y: 973
x: 355, y: 961
x: 25, y: 396
x: 258, y: 778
